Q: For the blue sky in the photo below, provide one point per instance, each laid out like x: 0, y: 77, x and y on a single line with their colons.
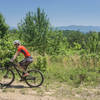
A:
x: 59, y: 12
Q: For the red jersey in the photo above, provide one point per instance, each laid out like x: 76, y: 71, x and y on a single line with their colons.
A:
x: 23, y: 50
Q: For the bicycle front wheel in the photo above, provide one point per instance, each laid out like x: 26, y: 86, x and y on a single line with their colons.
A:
x: 35, y: 78
x: 6, y: 77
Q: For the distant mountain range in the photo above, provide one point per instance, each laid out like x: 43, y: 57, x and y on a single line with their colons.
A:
x: 80, y: 28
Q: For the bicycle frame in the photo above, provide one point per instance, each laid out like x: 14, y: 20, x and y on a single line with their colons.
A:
x: 18, y: 71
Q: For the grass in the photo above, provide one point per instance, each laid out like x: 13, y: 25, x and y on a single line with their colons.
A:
x: 71, y: 71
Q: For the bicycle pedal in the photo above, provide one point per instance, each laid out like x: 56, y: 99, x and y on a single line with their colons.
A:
x: 22, y: 79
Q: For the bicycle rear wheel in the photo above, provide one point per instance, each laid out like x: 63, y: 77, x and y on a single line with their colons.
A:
x: 35, y: 78
x: 6, y: 77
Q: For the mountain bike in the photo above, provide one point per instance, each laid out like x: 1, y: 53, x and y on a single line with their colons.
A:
x: 7, y: 76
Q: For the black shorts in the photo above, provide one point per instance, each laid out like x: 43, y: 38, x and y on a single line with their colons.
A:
x: 26, y: 61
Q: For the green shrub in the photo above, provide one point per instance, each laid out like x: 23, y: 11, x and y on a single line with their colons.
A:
x: 41, y: 64
x: 77, y: 75
x: 57, y: 59
x: 7, y: 49
x: 82, y: 75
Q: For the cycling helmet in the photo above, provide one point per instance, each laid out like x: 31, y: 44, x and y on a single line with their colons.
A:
x: 16, y: 42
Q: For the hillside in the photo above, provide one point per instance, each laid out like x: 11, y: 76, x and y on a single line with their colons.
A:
x: 80, y: 28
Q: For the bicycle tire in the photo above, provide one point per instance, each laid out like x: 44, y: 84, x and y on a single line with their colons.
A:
x: 6, y: 77
x: 33, y: 79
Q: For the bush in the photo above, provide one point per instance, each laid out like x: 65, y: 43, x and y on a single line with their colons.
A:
x: 7, y: 49
x: 78, y: 75
x: 82, y: 75
x: 41, y: 64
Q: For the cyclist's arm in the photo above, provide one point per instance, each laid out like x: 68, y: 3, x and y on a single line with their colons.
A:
x: 16, y: 54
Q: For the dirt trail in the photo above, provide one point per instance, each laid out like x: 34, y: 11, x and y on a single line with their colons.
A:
x: 13, y: 96
x: 20, y: 91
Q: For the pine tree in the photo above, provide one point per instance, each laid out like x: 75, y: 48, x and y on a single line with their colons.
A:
x: 3, y: 26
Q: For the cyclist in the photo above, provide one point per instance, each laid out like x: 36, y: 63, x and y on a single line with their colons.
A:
x: 26, y: 61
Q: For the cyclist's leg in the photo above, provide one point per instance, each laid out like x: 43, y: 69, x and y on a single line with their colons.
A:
x: 24, y: 64
x: 29, y: 60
